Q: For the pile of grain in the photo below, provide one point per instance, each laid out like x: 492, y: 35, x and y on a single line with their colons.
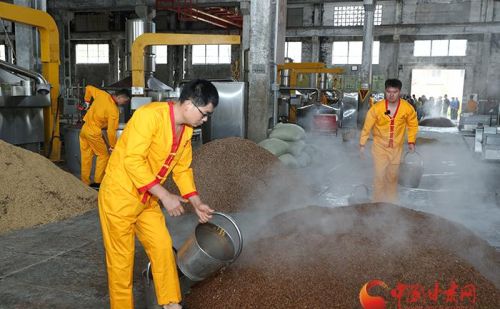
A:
x: 34, y: 191
x: 233, y: 174
x: 320, y: 258
x: 440, y: 122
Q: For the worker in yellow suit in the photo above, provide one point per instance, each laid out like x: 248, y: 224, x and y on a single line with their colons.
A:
x: 389, y: 120
x: 155, y: 143
x: 103, y: 113
x: 472, y: 106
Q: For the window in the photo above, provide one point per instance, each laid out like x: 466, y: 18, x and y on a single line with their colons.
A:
x: 354, y: 15
x: 161, y: 54
x: 92, y: 53
x: 352, y: 52
x: 439, y: 48
x: 294, y: 50
x: 457, y: 48
x: 2, y: 53
x: 211, y: 54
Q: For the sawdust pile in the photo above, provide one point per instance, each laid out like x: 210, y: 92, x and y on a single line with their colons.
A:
x: 319, y: 257
x: 234, y: 174
x: 34, y: 191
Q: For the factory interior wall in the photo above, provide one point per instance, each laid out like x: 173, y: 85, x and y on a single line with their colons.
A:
x: 93, y: 74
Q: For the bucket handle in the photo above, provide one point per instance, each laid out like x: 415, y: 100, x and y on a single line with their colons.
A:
x: 148, y: 271
x: 419, y: 157
x: 240, y: 237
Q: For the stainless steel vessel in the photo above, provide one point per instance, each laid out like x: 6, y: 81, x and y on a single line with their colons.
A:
x: 211, y: 246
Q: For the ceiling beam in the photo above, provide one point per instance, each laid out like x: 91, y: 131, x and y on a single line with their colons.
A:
x: 405, y: 30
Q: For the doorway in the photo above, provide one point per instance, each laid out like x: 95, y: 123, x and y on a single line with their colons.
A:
x: 436, y: 83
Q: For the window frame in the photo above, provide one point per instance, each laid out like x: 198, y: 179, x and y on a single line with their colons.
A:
x: 3, y: 52
x: 210, y: 60
x: 164, y: 60
x: 102, y: 57
x: 354, y: 15
x: 431, y: 51
x: 287, y: 49
x: 349, y: 55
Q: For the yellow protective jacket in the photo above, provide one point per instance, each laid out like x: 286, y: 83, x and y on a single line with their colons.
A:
x: 390, y: 131
x: 147, y: 152
x: 102, y: 114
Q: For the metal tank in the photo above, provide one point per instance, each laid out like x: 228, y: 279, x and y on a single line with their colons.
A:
x: 23, y: 96
x: 134, y: 28
x: 155, y: 90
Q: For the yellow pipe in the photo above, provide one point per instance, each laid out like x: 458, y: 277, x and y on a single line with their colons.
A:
x: 147, y: 39
x: 49, y: 46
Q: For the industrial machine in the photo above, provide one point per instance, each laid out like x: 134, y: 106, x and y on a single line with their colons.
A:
x: 315, y: 106
x: 487, y: 142
x: 23, y: 96
x: 28, y: 105
x: 470, y: 121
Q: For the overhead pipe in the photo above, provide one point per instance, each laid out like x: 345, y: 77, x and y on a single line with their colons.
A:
x: 148, y: 39
x: 49, y: 48
x: 41, y: 81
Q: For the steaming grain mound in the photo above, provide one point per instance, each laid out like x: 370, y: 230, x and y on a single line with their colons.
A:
x: 34, y: 191
x: 234, y: 174
x: 440, y: 122
x: 321, y: 257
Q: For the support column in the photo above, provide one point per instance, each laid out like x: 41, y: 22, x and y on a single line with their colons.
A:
x: 482, y: 84
x: 245, y: 40
x: 315, y: 50
x: 263, y: 57
x: 366, y: 62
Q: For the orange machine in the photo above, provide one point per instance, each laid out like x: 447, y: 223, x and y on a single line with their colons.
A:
x: 290, y: 75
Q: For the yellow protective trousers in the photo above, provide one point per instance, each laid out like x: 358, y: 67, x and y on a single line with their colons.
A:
x: 92, y: 144
x: 386, y: 161
x: 122, y: 217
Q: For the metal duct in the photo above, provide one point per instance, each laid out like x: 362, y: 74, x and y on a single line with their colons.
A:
x: 134, y: 28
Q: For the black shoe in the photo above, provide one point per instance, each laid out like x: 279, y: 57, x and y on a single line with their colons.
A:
x: 95, y: 186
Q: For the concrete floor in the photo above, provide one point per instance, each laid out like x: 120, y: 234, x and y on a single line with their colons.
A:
x: 61, y: 265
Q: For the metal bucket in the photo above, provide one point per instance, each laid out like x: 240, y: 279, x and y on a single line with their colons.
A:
x: 212, y: 246
x: 410, y: 172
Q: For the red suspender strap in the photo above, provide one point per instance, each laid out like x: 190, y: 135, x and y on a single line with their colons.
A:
x: 175, y: 145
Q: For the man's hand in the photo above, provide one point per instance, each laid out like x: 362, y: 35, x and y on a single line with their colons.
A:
x: 172, y: 204
x: 362, y: 151
x: 411, y: 148
x: 204, y: 212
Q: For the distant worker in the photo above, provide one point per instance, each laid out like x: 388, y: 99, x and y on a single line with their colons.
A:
x: 389, y: 120
x: 446, y: 105
x: 471, y: 105
x: 103, y: 113
x: 454, y: 106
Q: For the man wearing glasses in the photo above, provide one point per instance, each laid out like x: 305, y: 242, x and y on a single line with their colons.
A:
x: 155, y: 142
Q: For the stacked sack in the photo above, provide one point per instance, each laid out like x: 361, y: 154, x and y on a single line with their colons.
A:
x: 286, y: 141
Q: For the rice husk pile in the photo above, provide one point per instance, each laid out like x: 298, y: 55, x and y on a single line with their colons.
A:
x: 233, y: 174
x: 440, y: 122
x: 34, y: 191
x: 318, y: 257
